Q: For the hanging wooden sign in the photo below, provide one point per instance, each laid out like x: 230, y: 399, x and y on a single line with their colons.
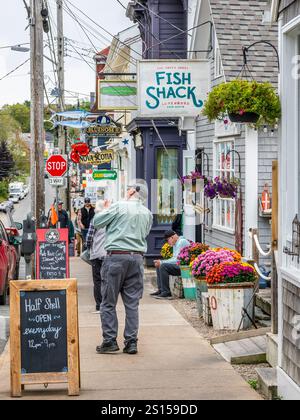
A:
x: 98, y: 158
x: 104, y: 130
x: 44, y: 334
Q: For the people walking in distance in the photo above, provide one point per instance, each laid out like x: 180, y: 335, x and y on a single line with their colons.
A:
x: 60, y: 220
x: 169, y: 267
x: 128, y: 224
x: 95, y: 242
x: 87, y: 215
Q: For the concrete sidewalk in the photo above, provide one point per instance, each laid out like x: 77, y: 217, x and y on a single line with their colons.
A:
x: 174, y: 362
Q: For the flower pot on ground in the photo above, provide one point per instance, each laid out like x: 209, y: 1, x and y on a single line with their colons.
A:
x: 246, y: 101
x: 201, y: 287
x: 189, y: 286
x: 231, y: 287
x: 185, y: 258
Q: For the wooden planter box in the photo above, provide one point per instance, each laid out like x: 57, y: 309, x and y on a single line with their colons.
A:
x: 227, y: 302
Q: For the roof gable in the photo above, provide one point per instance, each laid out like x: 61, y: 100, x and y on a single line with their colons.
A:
x: 238, y: 24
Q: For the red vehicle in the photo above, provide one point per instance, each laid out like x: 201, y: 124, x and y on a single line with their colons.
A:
x: 9, y: 260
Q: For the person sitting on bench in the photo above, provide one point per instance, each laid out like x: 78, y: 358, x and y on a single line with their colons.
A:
x: 169, y: 267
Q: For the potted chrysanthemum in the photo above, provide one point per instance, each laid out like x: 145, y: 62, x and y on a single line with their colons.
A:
x: 166, y: 251
x: 201, y: 267
x: 230, y: 286
x: 185, y: 260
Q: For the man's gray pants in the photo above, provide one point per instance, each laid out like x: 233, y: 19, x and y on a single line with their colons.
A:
x: 121, y: 274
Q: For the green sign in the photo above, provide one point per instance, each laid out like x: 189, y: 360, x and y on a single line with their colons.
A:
x: 105, y: 175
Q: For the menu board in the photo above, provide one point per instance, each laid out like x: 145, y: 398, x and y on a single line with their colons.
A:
x: 52, y: 254
x: 44, y: 332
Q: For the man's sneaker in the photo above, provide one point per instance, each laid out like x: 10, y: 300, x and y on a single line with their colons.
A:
x: 156, y: 293
x: 108, y: 347
x: 166, y: 296
x: 131, y: 348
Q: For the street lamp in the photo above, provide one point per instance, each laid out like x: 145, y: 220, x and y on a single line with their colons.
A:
x: 19, y: 48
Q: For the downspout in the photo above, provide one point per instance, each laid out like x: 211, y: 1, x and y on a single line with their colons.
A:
x: 275, y: 10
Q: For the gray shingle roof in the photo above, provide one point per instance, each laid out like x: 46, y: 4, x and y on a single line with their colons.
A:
x: 239, y: 23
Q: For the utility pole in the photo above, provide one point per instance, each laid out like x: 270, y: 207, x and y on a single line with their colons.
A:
x: 62, y: 138
x: 37, y: 110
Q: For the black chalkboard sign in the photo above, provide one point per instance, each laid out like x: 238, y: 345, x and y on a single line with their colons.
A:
x: 44, y: 332
x: 52, y: 256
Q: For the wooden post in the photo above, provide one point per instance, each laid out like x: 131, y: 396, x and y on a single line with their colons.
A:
x: 37, y: 110
x: 275, y: 201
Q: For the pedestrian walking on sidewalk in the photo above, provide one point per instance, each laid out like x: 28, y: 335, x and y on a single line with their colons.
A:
x: 169, y: 267
x: 87, y: 215
x: 128, y: 224
x: 61, y: 219
x: 95, y: 244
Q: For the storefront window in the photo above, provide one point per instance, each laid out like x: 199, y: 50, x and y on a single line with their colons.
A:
x: 167, y: 185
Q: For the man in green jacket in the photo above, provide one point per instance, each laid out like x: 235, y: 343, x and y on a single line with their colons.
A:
x: 128, y: 223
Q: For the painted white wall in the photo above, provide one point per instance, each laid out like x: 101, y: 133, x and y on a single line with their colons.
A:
x: 251, y: 185
x: 289, y: 182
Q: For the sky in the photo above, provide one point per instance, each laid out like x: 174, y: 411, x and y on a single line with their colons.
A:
x: 78, y: 75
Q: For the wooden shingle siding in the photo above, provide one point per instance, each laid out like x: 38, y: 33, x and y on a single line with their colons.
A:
x: 267, y: 151
x: 291, y: 337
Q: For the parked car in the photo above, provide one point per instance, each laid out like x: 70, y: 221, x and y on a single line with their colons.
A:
x: 7, y: 206
x: 13, y: 230
x: 8, y: 263
x: 26, y: 190
x: 14, y: 197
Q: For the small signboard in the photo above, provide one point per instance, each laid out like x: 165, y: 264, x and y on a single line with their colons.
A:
x: 44, y: 334
x: 104, y: 130
x: 117, y: 95
x: 105, y: 175
x: 52, y: 254
x: 57, y: 182
x: 98, y: 158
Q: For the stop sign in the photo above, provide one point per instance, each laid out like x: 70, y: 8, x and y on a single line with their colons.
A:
x: 57, y: 166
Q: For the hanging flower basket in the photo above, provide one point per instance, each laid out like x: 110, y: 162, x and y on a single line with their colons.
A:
x: 244, y: 118
x: 245, y: 102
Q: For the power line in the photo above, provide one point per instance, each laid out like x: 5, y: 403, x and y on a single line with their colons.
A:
x: 121, y: 4
x: 161, y: 18
x: 101, y: 27
x: 88, y: 28
x: 14, y: 70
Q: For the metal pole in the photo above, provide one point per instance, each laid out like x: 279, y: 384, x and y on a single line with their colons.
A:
x: 62, y: 142
x: 57, y: 200
x: 37, y: 110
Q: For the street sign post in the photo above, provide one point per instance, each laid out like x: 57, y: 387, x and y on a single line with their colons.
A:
x: 57, y: 166
x: 105, y: 175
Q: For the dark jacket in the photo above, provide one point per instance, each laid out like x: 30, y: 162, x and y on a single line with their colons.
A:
x: 63, y: 220
x: 87, y: 216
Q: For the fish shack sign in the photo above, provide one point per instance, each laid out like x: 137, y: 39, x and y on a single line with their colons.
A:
x: 172, y: 88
